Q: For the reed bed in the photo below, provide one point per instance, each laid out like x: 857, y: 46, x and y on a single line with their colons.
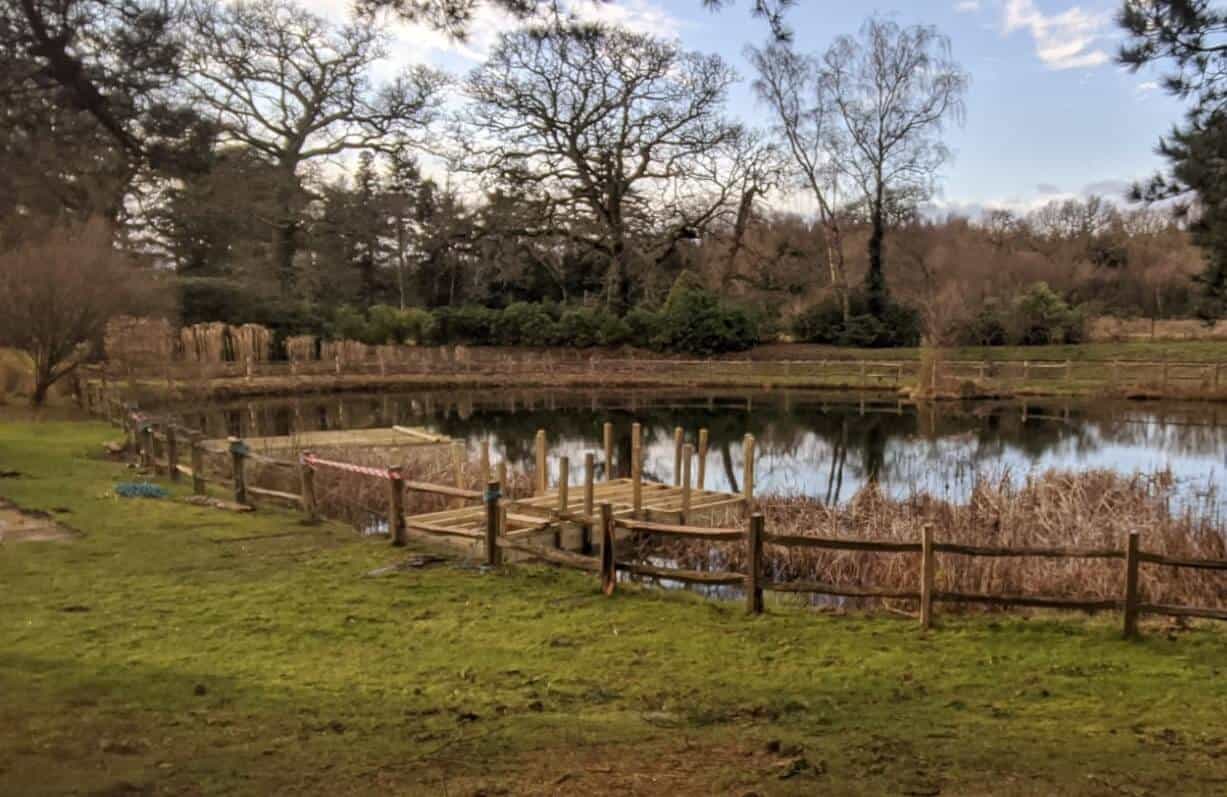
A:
x: 1088, y: 509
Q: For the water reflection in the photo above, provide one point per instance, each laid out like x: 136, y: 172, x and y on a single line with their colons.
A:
x: 817, y: 444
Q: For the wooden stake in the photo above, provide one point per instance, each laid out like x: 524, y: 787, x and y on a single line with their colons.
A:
x: 238, y: 451
x: 458, y: 470
x: 687, y: 455
x: 636, y: 469
x: 147, y: 446
x: 172, y: 453
x: 396, y: 506
x: 1131, y: 586
x: 564, y: 488
x: 701, y: 479
x: 609, y: 566
x: 754, y: 565
x: 609, y: 445
x: 747, y: 477
x: 678, y: 436
x: 585, y: 532
x: 928, y: 569
x: 306, y: 476
x: 197, y: 455
x: 493, y: 523
x: 541, y: 474
x: 484, y: 463
x: 502, y: 476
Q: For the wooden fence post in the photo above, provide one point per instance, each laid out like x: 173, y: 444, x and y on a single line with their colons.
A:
x: 541, y: 475
x: 637, y: 469
x: 247, y: 369
x: 609, y: 562
x: 493, y: 493
x: 609, y: 446
x: 754, y: 565
x: 172, y: 453
x: 484, y: 463
x: 928, y: 569
x: 1026, y: 370
x: 458, y: 470
x: 701, y: 476
x: 238, y: 457
x: 585, y: 531
x: 1131, y: 586
x: 687, y: 455
x: 1165, y: 372
x: 198, y: 479
x: 501, y: 470
x: 747, y: 478
x: 564, y: 494
x: 396, y: 506
x: 678, y: 437
x: 306, y: 475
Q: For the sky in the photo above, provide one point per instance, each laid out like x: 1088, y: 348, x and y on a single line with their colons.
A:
x: 1049, y: 113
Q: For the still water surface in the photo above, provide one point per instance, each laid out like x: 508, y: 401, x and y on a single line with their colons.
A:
x: 817, y: 444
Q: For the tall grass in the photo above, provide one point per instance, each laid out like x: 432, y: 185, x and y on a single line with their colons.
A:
x: 1089, y: 509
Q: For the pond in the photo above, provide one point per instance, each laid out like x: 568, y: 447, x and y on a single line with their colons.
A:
x: 818, y: 444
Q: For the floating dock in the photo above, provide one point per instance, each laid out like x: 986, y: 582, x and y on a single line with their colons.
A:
x: 392, y: 437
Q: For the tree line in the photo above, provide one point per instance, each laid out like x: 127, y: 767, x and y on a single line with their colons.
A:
x: 262, y: 163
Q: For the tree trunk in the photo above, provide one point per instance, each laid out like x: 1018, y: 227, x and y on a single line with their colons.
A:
x: 43, y: 369
x: 835, y: 262
x: 285, y: 229
x: 875, y: 280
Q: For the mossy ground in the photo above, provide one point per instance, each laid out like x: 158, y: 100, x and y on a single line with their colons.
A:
x: 176, y: 649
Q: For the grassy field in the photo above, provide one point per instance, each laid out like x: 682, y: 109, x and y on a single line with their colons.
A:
x: 176, y: 649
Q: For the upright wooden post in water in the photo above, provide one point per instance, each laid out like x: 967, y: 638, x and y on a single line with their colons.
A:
x: 541, y: 475
x: 747, y: 477
x: 238, y: 458
x: 493, y: 493
x: 609, y: 564
x: 687, y: 455
x: 754, y: 565
x: 564, y: 494
x: 928, y: 569
x: 306, y: 475
x: 701, y: 479
x: 172, y: 453
x: 609, y: 445
x: 484, y: 462
x: 396, y: 506
x: 198, y: 479
x: 501, y: 470
x: 637, y: 469
x: 458, y: 470
x: 585, y: 531
x: 678, y: 437
x: 1131, y: 586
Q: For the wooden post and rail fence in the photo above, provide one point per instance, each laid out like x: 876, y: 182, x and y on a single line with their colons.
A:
x: 832, y: 372
x: 157, y: 446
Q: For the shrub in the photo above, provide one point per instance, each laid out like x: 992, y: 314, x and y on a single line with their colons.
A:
x: 469, y: 324
x: 526, y: 324
x: 697, y: 322
x: 349, y: 324
x: 1043, y: 317
x: 985, y: 328
x: 581, y: 327
x: 643, y: 325
x: 614, y: 331
x: 899, y: 324
x: 389, y: 324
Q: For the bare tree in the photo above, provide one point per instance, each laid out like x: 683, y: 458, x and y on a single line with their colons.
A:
x: 622, y: 132
x: 793, y: 87
x: 894, y: 89
x: 57, y: 295
x: 297, y: 89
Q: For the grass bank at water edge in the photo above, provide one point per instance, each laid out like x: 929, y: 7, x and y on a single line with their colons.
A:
x: 175, y: 649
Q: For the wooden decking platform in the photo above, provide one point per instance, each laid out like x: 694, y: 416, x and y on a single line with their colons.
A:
x: 542, y: 513
x: 392, y: 437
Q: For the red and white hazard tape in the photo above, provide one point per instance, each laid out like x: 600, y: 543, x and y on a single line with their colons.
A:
x: 365, y: 470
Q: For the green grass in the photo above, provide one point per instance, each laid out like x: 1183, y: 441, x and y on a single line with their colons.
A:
x: 160, y: 651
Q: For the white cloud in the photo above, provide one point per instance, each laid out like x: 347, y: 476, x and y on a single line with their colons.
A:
x: 1062, y: 41
x: 967, y: 6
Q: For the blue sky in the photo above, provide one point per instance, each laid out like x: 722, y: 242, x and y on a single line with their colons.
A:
x: 1049, y: 114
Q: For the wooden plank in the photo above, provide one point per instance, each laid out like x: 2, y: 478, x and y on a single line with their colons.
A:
x: 442, y: 489
x: 1036, y: 601
x: 716, y: 578
x: 1049, y: 553
x: 820, y: 588
x: 692, y: 532
x: 552, y: 555
x: 447, y: 531
x: 1171, y: 561
x: 291, y: 497
x: 830, y: 543
x: 1183, y: 611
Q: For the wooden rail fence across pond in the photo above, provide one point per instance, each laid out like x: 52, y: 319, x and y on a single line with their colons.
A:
x: 606, y: 514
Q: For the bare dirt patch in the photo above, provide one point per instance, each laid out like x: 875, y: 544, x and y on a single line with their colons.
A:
x: 17, y: 525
